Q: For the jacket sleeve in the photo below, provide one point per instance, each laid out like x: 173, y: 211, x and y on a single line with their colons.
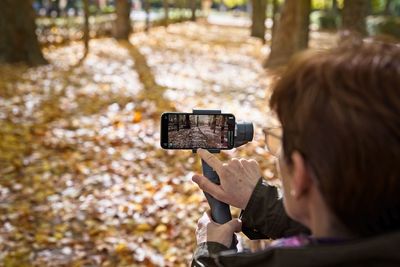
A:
x: 265, y: 217
x: 206, y: 254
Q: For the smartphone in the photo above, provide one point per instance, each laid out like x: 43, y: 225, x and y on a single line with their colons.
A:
x: 192, y: 131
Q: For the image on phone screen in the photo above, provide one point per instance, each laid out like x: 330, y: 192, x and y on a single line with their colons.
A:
x: 192, y: 131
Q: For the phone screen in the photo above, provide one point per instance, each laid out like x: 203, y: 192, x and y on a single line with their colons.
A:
x: 192, y: 131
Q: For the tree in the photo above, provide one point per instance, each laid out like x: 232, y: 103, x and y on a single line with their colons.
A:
x: 258, y: 18
x: 180, y: 5
x: 354, y: 14
x: 147, y: 10
x: 18, y: 41
x: 275, y: 7
x: 193, y: 10
x: 335, y: 10
x: 291, y: 35
x: 388, y: 5
x: 187, y: 121
x: 86, y: 29
x: 54, y: 9
x: 222, y: 130
x: 166, y: 12
x: 122, y: 26
x: 214, y: 123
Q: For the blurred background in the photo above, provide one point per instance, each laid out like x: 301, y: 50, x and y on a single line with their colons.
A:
x: 83, y: 180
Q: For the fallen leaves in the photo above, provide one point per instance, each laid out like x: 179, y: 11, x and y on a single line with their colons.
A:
x: 83, y: 179
x: 137, y: 117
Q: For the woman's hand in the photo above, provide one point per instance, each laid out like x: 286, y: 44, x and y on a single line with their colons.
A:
x: 238, y: 178
x: 210, y: 231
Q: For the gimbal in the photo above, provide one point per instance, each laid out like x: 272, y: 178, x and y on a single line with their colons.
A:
x: 244, y: 132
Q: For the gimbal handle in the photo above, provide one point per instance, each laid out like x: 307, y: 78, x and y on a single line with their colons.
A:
x: 220, y: 211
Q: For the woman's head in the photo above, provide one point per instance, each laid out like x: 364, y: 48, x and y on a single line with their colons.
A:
x: 340, y: 109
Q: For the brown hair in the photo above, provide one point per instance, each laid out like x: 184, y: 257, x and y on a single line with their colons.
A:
x: 341, y: 110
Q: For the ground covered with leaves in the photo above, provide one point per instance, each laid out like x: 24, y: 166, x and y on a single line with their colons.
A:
x: 83, y: 180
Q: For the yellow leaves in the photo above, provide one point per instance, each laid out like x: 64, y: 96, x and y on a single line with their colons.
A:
x: 41, y: 196
x: 171, y: 257
x: 160, y: 244
x: 41, y: 238
x: 195, y: 198
x: 104, y: 87
x: 10, y: 139
x: 121, y: 248
x: 118, y: 124
x: 138, y: 207
x: 46, y: 165
x: 82, y: 168
x: 143, y: 227
x: 137, y: 116
x: 61, y: 229
x: 24, y: 208
x: 161, y: 228
x: 58, y: 235
x: 54, y: 30
x: 14, y: 142
x: 18, y: 236
x: 81, y: 146
x: 17, y: 258
x: 36, y: 179
x: 149, y: 186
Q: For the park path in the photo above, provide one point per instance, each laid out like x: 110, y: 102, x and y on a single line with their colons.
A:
x: 83, y: 179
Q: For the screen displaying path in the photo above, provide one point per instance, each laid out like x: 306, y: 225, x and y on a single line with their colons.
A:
x: 194, y: 131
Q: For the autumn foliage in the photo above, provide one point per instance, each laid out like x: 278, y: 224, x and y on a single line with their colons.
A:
x: 83, y: 179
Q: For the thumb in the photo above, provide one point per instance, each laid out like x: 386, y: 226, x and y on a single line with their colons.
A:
x: 235, y: 225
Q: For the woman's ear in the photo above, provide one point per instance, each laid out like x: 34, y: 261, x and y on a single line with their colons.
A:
x: 301, y: 179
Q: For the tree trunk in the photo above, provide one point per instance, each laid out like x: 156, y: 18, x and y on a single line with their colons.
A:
x: 335, y: 9
x: 147, y: 10
x: 275, y: 7
x: 354, y: 14
x: 181, y: 6
x: 187, y: 121
x: 388, y: 10
x: 369, y: 8
x: 166, y: 12
x: 18, y: 41
x: 291, y: 35
x: 258, y: 18
x: 193, y: 10
x: 122, y: 25
x: 86, y: 29
x: 55, y: 6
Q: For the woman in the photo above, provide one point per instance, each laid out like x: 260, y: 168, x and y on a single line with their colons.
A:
x: 339, y: 165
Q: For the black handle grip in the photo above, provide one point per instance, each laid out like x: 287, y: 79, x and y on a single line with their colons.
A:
x: 220, y: 211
